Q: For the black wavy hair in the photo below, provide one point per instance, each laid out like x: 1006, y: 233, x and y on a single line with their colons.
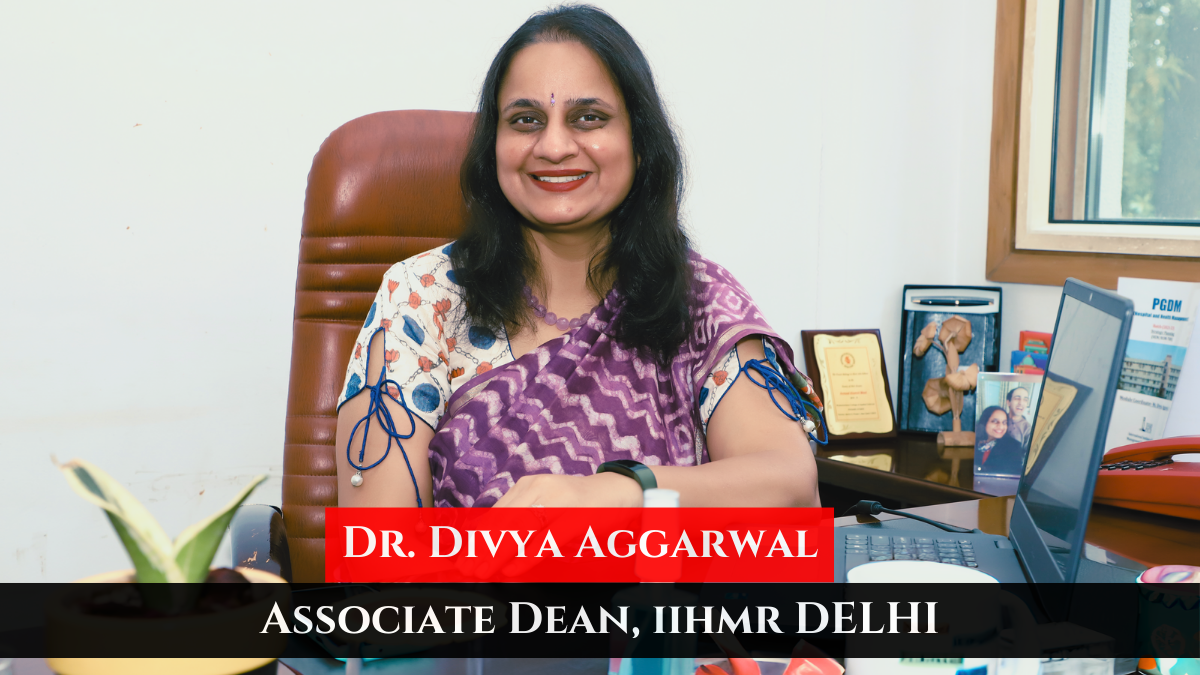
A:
x: 647, y: 258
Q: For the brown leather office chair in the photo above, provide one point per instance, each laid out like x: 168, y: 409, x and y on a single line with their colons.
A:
x: 382, y: 188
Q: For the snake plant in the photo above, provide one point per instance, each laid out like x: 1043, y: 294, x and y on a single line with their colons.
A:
x: 156, y: 558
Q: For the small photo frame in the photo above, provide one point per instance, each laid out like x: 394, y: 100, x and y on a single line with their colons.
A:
x: 850, y: 376
x: 1003, y: 427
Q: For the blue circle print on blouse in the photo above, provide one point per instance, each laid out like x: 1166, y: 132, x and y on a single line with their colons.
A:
x: 370, y: 316
x: 481, y: 338
x: 703, y: 395
x: 426, y: 397
x: 413, y: 330
x: 446, y: 251
x: 353, y: 386
x: 450, y: 275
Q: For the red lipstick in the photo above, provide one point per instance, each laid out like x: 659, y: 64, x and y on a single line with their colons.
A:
x: 568, y: 179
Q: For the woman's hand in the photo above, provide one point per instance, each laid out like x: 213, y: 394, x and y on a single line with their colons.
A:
x: 554, y: 490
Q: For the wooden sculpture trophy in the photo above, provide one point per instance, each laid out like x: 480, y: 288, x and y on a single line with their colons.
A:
x: 946, y: 393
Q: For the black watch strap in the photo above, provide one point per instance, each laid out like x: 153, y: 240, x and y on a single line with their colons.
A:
x: 635, y: 470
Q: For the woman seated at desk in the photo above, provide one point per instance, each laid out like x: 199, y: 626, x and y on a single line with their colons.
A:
x: 570, y: 325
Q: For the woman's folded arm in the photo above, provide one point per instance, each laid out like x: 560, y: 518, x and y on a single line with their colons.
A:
x: 758, y: 456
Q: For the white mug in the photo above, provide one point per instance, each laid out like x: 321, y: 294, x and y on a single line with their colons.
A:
x: 977, y: 634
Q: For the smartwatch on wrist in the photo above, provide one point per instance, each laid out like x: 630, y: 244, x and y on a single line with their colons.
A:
x: 635, y: 470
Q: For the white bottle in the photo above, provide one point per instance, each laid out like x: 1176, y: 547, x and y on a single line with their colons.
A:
x: 659, y: 497
x: 643, y: 597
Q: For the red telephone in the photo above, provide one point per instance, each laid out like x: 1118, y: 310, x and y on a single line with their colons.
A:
x: 1144, y: 476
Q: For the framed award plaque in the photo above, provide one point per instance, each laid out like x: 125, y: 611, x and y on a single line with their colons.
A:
x: 849, y: 374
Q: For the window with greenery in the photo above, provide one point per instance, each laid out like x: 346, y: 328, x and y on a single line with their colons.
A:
x: 1127, y: 133
x: 1162, y: 112
x: 1095, y: 148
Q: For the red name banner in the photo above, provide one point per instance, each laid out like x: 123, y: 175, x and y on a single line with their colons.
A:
x: 533, y: 545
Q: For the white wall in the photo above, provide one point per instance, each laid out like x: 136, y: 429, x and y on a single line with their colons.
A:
x: 153, y: 159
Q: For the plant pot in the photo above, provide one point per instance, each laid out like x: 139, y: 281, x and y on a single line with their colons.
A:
x: 70, y: 630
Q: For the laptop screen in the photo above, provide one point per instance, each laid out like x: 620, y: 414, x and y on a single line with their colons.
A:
x: 1069, y: 427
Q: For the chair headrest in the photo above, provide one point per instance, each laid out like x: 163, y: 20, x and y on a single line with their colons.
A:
x: 388, y: 174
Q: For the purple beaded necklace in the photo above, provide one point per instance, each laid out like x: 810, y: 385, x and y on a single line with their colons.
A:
x: 552, y: 319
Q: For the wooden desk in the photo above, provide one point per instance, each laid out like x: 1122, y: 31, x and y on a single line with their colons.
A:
x: 1144, y: 538
x: 918, y: 473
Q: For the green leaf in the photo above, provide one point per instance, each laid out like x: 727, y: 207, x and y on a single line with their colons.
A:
x: 195, y: 547
x: 148, y: 546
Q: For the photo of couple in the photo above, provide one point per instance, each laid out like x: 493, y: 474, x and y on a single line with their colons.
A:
x: 1007, y: 402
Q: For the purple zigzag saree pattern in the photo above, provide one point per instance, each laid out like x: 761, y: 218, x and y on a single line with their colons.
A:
x: 581, y: 399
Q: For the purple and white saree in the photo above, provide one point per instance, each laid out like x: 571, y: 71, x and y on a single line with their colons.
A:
x: 566, y: 407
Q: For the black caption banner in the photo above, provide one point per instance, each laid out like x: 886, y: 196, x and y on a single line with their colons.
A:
x: 597, y: 620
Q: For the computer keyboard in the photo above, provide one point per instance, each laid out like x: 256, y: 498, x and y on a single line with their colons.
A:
x: 862, y: 548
